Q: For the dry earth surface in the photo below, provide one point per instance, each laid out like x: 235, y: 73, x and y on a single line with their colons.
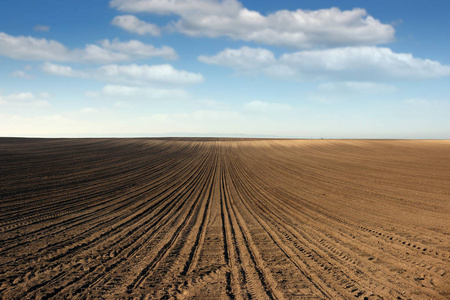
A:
x: 224, y: 218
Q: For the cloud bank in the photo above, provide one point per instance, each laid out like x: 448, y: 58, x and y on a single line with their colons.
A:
x: 129, y: 74
x: 295, y: 29
x: 347, y: 63
x: 34, y: 49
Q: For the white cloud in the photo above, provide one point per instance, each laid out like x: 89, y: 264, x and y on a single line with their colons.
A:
x: 140, y: 93
x: 30, y: 48
x: 245, y: 58
x: 297, y: 29
x: 132, y: 24
x: 348, y: 63
x: 362, y: 63
x: 42, y: 28
x: 179, y: 7
x: 60, y: 70
x: 97, y: 55
x: 18, y: 100
x: 129, y: 74
x: 136, y: 48
x: 143, y: 74
x: 21, y: 74
x: 280, y: 71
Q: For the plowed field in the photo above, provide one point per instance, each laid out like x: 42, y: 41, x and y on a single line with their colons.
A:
x: 224, y: 219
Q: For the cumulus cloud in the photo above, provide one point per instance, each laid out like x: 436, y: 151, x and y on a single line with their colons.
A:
x: 30, y: 48
x: 18, y: 100
x: 42, y: 28
x: 347, y: 63
x: 245, y: 58
x: 60, y: 70
x: 129, y: 74
x: 179, y: 7
x: 297, y: 29
x: 143, y: 74
x: 141, y: 93
x: 131, y: 23
x: 135, y: 48
x: 364, y: 63
x: 97, y: 55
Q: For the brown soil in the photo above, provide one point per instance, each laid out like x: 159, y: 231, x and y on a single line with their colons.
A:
x: 224, y: 218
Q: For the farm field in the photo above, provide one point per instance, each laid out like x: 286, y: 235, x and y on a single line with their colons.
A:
x: 208, y: 218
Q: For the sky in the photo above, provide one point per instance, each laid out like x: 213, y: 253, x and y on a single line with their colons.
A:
x: 286, y: 68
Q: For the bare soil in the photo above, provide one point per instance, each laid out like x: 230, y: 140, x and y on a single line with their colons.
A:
x: 224, y: 219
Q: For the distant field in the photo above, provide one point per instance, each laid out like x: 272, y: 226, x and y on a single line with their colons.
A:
x: 224, y: 219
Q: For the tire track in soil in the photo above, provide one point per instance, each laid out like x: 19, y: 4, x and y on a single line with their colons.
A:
x: 171, y: 250
x: 134, y: 250
x: 253, y: 273
x: 321, y: 287
x: 341, y: 260
x: 310, y: 254
x: 224, y: 218
x: 190, y: 242
x: 57, y: 277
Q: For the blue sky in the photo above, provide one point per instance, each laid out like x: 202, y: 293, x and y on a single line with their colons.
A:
x: 311, y: 69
